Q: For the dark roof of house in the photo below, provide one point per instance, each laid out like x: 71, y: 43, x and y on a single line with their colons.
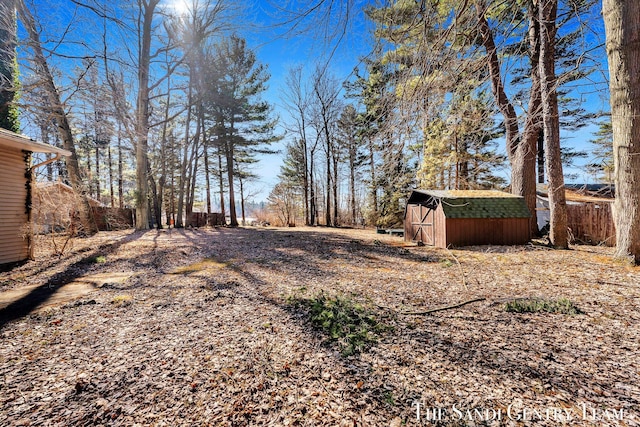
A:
x: 583, y: 192
x: 472, y: 203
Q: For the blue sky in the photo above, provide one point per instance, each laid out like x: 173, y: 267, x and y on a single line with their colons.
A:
x: 281, y: 54
x: 283, y: 50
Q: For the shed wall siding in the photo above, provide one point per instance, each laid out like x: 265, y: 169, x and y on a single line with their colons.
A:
x: 13, y: 215
x: 487, y: 231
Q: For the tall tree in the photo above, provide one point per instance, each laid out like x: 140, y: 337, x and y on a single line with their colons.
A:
x: 160, y: 31
x: 326, y: 106
x: 57, y: 111
x: 8, y: 66
x: 351, y: 144
x: 296, y: 99
x: 549, y: 98
x: 622, y: 27
x: 243, y: 122
x: 522, y: 153
x: 146, y: 13
x: 374, y: 92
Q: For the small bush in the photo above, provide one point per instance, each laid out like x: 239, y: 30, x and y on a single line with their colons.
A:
x: 445, y: 263
x: 346, y: 322
x: 122, y: 300
x: 537, y: 305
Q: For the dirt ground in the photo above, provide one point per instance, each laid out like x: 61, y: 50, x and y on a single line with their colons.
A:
x: 198, y: 327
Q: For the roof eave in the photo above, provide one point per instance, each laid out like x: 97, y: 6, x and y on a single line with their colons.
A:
x: 14, y: 140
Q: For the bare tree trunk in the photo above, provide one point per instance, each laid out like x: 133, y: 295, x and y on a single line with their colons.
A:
x: 313, y: 207
x: 622, y: 25
x: 233, y: 216
x: 505, y: 106
x: 327, y: 206
x: 558, y: 235
x: 171, y: 212
x: 60, y: 117
x: 352, y: 184
x: 120, y: 170
x: 194, y: 175
x: 162, y: 181
x: 190, y: 179
x: 185, y: 154
x: 157, y: 207
x: 147, y: 9
x: 89, y: 175
x: 44, y: 133
x: 142, y: 118
x: 98, y: 190
x: 205, y: 145
x: 163, y: 155
x: 221, y: 182
x: 533, y: 127
x: 540, y: 155
x: 241, y: 183
x: 197, y: 138
x: 306, y: 180
x: 207, y: 177
x: 111, y: 192
x: 334, y: 158
x: 374, y: 185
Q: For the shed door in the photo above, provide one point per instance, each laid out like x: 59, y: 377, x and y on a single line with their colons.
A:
x: 422, y: 225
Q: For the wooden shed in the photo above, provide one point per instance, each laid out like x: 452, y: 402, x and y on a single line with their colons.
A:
x: 15, y: 193
x: 445, y: 218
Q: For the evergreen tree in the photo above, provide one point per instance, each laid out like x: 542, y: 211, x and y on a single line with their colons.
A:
x: 293, y: 170
x: 351, y: 144
x: 603, y: 166
x: 374, y: 92
x: 243, y: 123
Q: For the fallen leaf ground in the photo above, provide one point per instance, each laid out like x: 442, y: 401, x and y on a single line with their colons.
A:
x: 196, y: 327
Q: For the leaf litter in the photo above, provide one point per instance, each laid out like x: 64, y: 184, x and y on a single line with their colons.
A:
x: 199, y: 329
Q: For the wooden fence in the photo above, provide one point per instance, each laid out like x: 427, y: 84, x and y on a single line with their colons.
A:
x: 112, y: 218
x: 200, y: 219
x: 592, y: 223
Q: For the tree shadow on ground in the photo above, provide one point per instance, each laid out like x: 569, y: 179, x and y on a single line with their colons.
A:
x: 25, y: 305
x: 506, y: 367
x: 313, y: 251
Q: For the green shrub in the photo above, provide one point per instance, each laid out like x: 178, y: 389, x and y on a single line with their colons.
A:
x: 537, y: 305
x: 348, y: 323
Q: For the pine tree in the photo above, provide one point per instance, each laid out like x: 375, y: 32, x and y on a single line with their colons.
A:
x: 243, y: 123
x: 352, y: 145
x: 603, y: 166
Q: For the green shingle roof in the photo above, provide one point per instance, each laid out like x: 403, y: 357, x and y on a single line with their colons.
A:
x: 474, y: 204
